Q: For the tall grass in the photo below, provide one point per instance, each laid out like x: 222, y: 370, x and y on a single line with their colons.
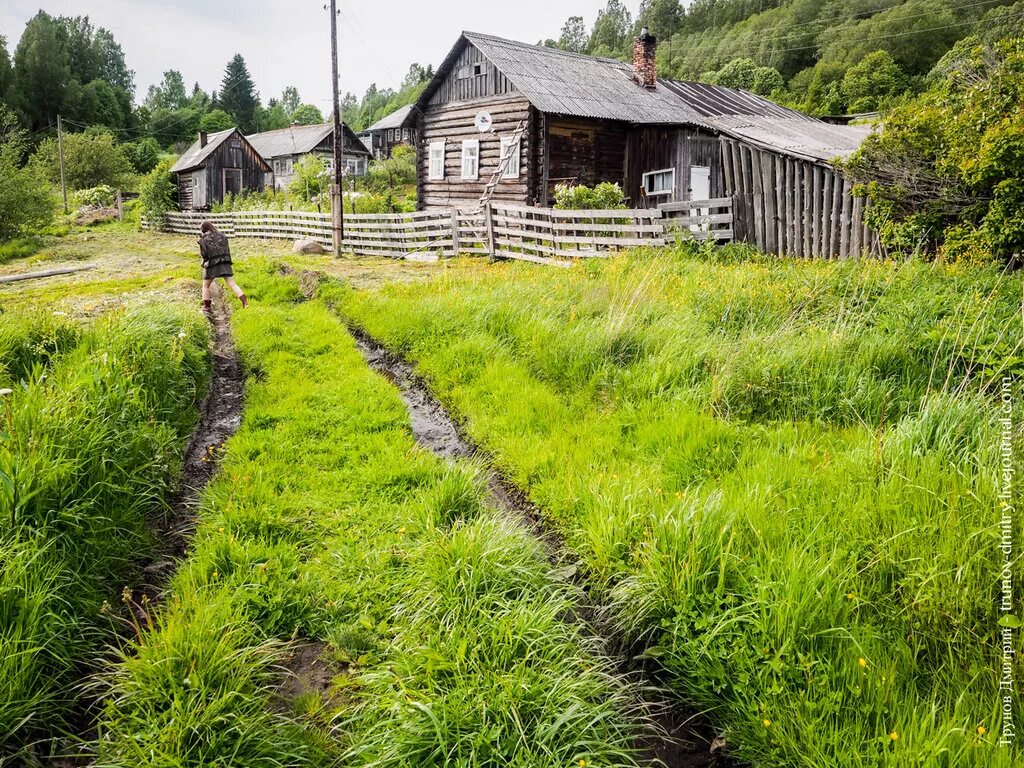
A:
x: 780, y: 477
x: 87, y: 448
x: 328, y: 525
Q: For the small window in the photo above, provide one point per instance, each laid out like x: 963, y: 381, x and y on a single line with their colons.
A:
x: 236, y: 144
x: 436, y: 160
x: 195, y: 180
x: 660, y: 182
x: 512, y: 164
x: 478, y: 69
x: 471, y: 159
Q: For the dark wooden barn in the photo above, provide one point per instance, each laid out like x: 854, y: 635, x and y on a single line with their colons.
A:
x: 587, y: 120
x: 219, y: 164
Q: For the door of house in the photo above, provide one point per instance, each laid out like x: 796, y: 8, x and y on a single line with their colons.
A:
x: 232, y: 181
x: 700, y: 189
x: 199, y: 189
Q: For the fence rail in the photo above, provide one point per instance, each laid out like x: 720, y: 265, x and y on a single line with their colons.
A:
x: 542, y: 235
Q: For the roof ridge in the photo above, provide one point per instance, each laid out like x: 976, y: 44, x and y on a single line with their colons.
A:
x: 546, y: 48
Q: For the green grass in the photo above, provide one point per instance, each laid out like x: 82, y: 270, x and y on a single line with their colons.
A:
x: 780, y: 477
x: 443, y: 619
x: 90, y: 438
x: 19, y: 249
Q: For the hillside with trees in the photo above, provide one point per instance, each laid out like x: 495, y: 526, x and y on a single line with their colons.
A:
x: 825, y: 58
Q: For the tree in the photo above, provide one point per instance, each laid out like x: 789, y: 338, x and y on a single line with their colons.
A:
x: 417, y: 74
x: 90, y: 159
x: 738, y: 73
x: 663, y: 18
x: 610, y: 35
x: 199, y: 99
x: 238, y: 96
x: 6, y: 72
x: 311, y: 179
x: 96, y: 103
x: 143, y: 154
x: 170, y: 128
x: 157, y: 193
x: 574, y: 35
x: 290, y: 100
x: 767, y: 81
x: 41, y: 72
x: 169, y: 94
x: 273, y: 117
x: 307, y: 114
x: 26, y: 199
x: 872, y: 81
x: 217, y: 120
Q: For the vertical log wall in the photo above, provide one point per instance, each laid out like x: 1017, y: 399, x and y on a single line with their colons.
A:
x: 794, y: 207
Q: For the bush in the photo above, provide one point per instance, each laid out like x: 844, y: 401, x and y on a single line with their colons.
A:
x: 143, y: 154
x: 90, y: 160
x: 97, y: 197
x: 312, y: 179
x: 604, y: 196
x: 215, y: 121
x: 157, y: 193
x: 946, y: 172
x: 26, y: 200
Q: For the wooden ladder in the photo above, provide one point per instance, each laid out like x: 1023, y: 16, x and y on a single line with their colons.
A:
x: 506, y: 156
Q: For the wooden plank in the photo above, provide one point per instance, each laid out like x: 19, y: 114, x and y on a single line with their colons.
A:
x: 816, y: 210
x: 767, y: 163
x: 837, y: 214
x: 808, y: 209
x: 455, y: 231
x: 489, y: 223
x: 751, y: 165
x: 845, y: 220
x: 45, y: 273
x: 686, y: 205
x: 857, y: 229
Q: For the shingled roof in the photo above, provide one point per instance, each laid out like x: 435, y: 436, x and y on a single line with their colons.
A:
x: 397, y: 119
x: 196, y: 154
x: 564, y: 83
x: 300, y: 140
x: 575, y: 85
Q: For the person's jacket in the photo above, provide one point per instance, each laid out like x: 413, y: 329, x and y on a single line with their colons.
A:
x: 214, y: 249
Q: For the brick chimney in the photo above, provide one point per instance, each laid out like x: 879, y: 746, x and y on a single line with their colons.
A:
x: 645, y: 70
x: 202, y: 139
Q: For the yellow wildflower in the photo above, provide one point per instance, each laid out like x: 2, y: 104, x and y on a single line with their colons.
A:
x: 766, y: 722
x: 862, y: 661
x: 894, y: 736
x: 981, y: 730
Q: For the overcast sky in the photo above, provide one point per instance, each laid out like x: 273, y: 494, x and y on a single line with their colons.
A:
x: 287, y: 42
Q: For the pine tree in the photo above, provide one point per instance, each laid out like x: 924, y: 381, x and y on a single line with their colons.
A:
x: 238, y: 96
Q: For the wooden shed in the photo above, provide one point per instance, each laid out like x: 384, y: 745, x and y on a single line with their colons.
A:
x: 218, y: 164
x: 585, y: 120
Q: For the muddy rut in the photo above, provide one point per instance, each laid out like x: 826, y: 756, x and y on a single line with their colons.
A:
x: 220, y: 417
x: 680, y: 739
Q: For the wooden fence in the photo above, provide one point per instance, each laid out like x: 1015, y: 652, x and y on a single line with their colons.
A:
x: 542, y: 235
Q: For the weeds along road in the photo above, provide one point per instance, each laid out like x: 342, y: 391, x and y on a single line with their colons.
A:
x: 771, y: 479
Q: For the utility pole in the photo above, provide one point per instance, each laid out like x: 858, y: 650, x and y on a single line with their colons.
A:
x: 60, y: 151
x: 337, y: 214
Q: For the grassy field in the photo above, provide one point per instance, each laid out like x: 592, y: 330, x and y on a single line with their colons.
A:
x: 779, y: 480
x: 441, y: 621
x: 93, y: 418
x: 782, y: 477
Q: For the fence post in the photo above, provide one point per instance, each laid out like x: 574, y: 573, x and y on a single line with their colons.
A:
x: 336, y: 214
x: 489, y: 223
x: 455, y: 232
x: 120, y: 206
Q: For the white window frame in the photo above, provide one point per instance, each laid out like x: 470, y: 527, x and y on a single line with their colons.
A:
x: 471, y: 159
x: 658, y: 193
x: 512, y: 169
x: 435, y: 168
x: 283, y: 166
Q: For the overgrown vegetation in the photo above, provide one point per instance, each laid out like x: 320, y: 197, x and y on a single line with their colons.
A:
x: 603, y: 196
x: 946, y: 172
x: 92, y: 426
x: 836, y: 57
x: 780, y: 477
x: 26, y: 200
x: 443, y: 621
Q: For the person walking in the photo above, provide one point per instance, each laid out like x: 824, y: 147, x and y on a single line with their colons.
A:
x: 216, y: 256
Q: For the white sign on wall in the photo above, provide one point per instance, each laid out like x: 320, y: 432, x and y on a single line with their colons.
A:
x: 483, y: 121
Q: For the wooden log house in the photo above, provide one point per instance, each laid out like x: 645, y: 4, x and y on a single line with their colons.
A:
x: 394, y: 130
x: 283, y: 148
x: 588, y: 119
x: 216, y: 165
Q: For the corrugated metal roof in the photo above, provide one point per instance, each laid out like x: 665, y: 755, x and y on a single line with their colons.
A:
x: 807, y: 138
x: 564, y: 83
x: 294, y: 140
x: 195, y: 155
x: 300, y: 140
x: 395, y: 120
x: 710, y: 100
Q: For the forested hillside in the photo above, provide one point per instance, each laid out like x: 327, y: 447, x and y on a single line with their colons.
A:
x: 831, y: 57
